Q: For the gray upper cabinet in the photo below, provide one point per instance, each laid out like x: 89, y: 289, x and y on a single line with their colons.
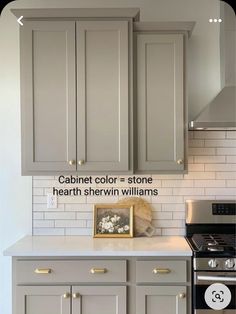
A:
x: 160, y: 102
x: 77, y: 76
x: 48, y: 96
x: 103, y: 96
x: 75, y: 91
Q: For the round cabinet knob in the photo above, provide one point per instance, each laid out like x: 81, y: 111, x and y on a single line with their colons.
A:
x: 182, y: 295
x: 72, y: 162
x: 180, y: 161
x: 229, y: 263
x: 81, y: 162
x: 66, y: 295
x: 75, y: 295
x: 213, y: 263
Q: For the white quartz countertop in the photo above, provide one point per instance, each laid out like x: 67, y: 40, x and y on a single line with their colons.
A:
x: 88, y: 246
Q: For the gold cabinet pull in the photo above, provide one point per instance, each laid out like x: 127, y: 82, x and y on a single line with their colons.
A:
x: 182, y: 295
x: 98, y: 270
x: 75, y: 295
x: 180, y: 161
x: 66, y: 295
x: 81, y: 162
x: 43, y: 271
x: 161, y: 271
x: 72, y: 162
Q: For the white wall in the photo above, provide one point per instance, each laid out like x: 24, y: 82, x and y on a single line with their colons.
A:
x: 15, y: 191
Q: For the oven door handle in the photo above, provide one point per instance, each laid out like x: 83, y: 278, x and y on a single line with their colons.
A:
x: 215, y: 278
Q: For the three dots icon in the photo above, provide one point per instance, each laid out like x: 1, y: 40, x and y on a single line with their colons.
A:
x: 215, y: 20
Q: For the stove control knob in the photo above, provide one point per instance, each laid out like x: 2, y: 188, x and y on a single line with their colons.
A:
x: 229, y: 263
x: 213, y: 263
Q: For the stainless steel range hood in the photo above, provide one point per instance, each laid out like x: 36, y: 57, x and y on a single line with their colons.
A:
x: 220, y: 114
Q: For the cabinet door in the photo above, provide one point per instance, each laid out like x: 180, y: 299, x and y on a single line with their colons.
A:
x: 42, y: 300
x: 99, y: 300
x: 160, y: 103
x: 48, y: 96
x: 102, y: 100
x: 159, y: 300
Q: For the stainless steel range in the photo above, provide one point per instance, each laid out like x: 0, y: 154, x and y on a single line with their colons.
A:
x: 210, y: 231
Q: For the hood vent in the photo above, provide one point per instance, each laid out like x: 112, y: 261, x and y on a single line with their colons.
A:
x: 220, y: 114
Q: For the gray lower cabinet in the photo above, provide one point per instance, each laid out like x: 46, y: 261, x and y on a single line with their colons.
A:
x: 57, y: 299
x: 43, y: 300
x: 103, y: 286
x: 75, y: 96
x: 160, y: 102
x: 99, y: 300
x: 155, y: 300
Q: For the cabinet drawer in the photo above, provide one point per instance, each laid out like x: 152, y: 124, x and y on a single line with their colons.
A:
x: 70, y: 271
x: 161, y: 271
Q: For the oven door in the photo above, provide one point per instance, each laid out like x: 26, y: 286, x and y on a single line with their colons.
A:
x: 204, y: 281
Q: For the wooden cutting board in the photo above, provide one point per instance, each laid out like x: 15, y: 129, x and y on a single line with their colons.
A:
x: 142, y: 213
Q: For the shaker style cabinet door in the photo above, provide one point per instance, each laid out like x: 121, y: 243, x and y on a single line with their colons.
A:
x: 48, y: 96
x: 160, y: 102
x: 99, y: 300
x: 102, y: 96
x: 159, y: 300
x: 43, y: 300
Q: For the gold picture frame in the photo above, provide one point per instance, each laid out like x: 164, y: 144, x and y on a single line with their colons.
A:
x: 112, y: 221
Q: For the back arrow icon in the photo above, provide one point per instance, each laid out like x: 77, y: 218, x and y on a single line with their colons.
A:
x: 19, y: 20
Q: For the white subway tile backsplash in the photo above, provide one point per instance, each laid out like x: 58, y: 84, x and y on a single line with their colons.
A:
x: 220, y: 191
x: 201, y: 151
x: 226, y: 175
x: 78, y: 231
x: 173, y: 231
x: 209, y: 134
x: 162, y: 215
x: 209, y: 159
x: 43, y: 224
x: 220, y: 143
x: 226, y: 151
x: 188, y: 191
x: 70, y: 223
x: 178, y: 183
x: 220, y: 167
x: 199, y: 175
x: 231, y: 134
x: 231, y: 159
x: 231, y: 183
x: 173, y: 207
x: 195, y: 167
x: 196, y: 143
x: 49, y: 231
x: 211, y: 175
x: 209, y: 183
x: 60, y: 215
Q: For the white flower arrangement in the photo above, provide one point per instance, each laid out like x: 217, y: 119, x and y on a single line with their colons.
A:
x: 111, y: 223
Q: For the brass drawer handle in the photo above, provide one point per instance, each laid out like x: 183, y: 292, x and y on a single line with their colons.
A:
x: 43, y: 271
x: 75, y: 295
x: 182, y: 295
x: 161, y: 271
x: 98, y: 270
x: 66, y: 295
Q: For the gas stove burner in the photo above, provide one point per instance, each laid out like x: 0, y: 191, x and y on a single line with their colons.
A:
x: 215, y: 248
x: 214, y: 242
